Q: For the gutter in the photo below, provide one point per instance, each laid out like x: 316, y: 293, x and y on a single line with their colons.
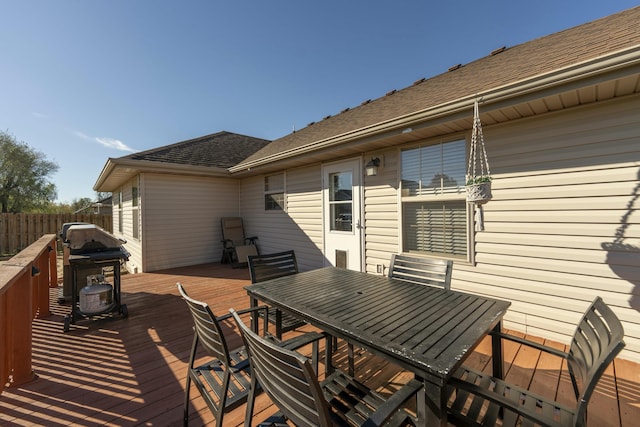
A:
x: 133, y: 167
x: 497, y: 97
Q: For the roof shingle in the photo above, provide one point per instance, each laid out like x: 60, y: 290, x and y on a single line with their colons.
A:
x: 508, y: 66
x: 222, y: 150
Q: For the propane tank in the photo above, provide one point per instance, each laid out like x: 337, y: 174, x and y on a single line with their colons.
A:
x: 97, y: 296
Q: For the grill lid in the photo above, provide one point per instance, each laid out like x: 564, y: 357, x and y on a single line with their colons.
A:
x: 88, y: 238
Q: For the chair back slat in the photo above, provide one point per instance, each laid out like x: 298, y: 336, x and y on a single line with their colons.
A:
x: 288, y: 378
x: 422, y: 271
x: 207, y: 328
x: 271, y: 266
x: 598, y: 339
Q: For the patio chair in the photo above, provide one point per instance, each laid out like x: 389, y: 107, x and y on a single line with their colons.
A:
x: 236, y: 247
x: 271, y: 266
x: 223, y: 381
x: 422, y: 271
x: 596, y: 342
x: 293, y: 386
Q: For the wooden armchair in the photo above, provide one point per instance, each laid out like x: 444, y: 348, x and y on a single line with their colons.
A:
x: 293, y: 386
x: 223, y: 381
x: 271, y: 266
x: 422, y: 271
x: 479, y: 399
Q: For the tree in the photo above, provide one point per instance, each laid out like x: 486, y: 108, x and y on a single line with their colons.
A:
x: 23, y: 176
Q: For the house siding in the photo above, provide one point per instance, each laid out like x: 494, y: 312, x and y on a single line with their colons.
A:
x: 182, y: 219
x: 299, y: 227
x: 133, y: 245
x: 382, y: 212
x: 565, y: 184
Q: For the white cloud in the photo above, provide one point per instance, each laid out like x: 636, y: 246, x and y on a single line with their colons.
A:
x: 81, y: 135
x: 114, y: 143
x: 107, y: 142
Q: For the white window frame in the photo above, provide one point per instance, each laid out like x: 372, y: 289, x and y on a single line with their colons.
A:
x: 120, y: 211
x: 452, y: 194
x: 135, y: 212
x: 269, y: 192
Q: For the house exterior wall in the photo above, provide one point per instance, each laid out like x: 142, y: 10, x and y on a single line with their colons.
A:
x: 298, y: 227
x: 133, y: 245
x: 181, y: 219
x: 565, y: 184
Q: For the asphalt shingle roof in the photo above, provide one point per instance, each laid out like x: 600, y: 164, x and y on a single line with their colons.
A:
x: 222, y: 150
x: 527, y: 60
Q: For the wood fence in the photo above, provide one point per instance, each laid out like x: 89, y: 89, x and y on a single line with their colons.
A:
x: 18, y: 231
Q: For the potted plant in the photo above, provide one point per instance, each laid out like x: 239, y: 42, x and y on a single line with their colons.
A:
x: 478, y: 189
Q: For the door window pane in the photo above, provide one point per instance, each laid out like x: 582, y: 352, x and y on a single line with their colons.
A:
x: 341, y: 201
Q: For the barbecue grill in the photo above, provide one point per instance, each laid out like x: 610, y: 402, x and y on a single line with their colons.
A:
x: 91, y: 248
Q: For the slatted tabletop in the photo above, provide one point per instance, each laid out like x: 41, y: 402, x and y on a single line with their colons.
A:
x: 426, y: 330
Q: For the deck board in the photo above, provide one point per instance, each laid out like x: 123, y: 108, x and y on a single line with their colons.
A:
x: 127, y: 372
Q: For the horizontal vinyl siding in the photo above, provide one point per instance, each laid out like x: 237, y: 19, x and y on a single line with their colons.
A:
x: 381, y: 214
x: 133, y: 246
x: 299, y: 228
x: 564, y: 185
x: 182, y: 219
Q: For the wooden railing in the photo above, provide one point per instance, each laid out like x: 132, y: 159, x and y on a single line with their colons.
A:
x: 19, y: 230
x: 24, y: 295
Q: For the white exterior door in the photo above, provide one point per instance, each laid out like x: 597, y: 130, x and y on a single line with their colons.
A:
x: 343, y: 214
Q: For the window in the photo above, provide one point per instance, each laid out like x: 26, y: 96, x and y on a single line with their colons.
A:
x: 434, y: 207
x: 274, y: 192
x: 135, y: 211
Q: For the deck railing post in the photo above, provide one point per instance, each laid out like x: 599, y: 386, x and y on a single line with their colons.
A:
x: 4, y: 342
x: 24, y: 293
x: 19, y: 322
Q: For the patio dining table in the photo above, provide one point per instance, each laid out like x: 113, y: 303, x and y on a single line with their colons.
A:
x: 426, y: 330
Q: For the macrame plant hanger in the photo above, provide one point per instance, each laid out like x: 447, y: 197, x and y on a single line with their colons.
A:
x: 478, y: 175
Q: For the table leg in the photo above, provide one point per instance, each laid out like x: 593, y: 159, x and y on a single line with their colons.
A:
x: 432, y: 405
x: 278, y: 324
x: 253, y: 302
x: 328, y: 355
x: 497, y: 352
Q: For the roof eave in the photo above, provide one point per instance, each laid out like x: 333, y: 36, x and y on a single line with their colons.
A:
x: 593, y: 70
x: 120, y: 170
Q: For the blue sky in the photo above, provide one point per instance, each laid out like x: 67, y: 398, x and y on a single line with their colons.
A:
x: 82, y: 81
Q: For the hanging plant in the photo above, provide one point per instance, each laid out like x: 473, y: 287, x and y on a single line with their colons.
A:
x: 478, y: 184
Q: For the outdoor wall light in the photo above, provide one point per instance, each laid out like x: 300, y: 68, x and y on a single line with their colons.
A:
x: 371, y: 168
x: 35, y: 271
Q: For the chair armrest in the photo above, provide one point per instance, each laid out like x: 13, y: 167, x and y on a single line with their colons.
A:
x: 265, y: 317
x: 302, y: 340
x: 228, y: 243
x: 251, y: 240
x: 506, y: 403
x: 533, y: 344
x: 393, y: 403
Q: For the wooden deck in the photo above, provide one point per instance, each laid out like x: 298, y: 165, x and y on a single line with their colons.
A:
x: 126, y: 372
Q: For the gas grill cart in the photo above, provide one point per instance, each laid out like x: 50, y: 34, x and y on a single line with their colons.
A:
x: 92, y: 249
